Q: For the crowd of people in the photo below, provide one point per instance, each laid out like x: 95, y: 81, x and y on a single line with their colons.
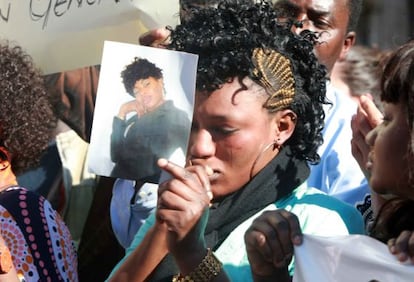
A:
x: 295, y: 130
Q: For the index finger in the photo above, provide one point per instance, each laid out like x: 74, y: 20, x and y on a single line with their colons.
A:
x: 175, y: 170
x: 373, y: 114
x: 193, y: 175
x: 361, y: 124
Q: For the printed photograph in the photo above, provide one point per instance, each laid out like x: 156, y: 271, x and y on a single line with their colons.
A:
x: 143, y: 111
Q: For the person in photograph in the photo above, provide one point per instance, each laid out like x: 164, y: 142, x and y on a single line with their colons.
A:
x: 148, y: 127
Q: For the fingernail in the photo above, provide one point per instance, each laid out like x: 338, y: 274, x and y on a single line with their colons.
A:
x: 402, y: 257
x: 162, y: 162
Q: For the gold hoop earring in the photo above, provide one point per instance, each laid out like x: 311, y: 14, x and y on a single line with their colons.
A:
x: 276, y: 146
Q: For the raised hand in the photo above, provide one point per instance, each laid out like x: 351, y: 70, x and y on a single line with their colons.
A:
x: 269, y: 244
x: 136, y: 106
x: 183, y: 203
x: 368, y: 116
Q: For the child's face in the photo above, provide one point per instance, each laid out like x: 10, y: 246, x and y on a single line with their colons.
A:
x: 390, y: 158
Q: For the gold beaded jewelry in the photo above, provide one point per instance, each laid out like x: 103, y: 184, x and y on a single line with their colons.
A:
x: 208, y: 269
x: 275, y: 74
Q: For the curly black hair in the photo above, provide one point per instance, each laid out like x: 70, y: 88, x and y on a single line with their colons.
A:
x: 27, y: 119
x: 139, y: 69
x: 225, y: 37
x: 188, y: 6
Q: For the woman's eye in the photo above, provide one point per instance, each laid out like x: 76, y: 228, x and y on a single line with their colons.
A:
x: 223, y: 130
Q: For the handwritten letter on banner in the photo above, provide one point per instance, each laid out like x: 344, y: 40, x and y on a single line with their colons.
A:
x: 69, y: 34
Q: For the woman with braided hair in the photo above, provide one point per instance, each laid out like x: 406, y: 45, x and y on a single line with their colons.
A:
x: 257, y: 122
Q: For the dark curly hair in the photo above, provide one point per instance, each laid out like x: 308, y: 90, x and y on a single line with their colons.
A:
x: 225, y: 37
x: 27, y: 119
x: 188, y: 6
x: 138, y: 69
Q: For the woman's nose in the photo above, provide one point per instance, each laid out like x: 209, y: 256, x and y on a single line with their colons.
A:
x: 201, y: 144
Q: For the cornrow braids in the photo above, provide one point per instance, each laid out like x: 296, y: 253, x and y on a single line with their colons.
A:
x: 274, y: 73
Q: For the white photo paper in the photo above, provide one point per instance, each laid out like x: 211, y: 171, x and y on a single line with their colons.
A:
x: 143, y: 111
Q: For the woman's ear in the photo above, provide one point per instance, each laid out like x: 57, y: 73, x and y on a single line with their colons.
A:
x: 5, y: 159
x: 7, y: 176
x: 4, y: 164
x: 286, y: 124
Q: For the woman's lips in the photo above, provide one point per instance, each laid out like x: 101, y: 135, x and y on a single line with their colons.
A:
x: 214, y: 176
